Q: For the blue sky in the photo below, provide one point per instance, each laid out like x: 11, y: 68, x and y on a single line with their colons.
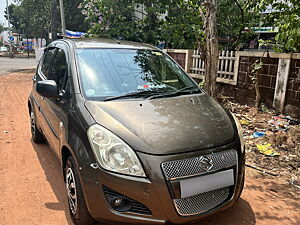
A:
x: 2, y: 8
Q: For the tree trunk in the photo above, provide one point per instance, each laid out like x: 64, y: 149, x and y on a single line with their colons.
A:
x: 54, y: 19
x: 257, y: 91
x: 27, y: 47
x: 212, y: 56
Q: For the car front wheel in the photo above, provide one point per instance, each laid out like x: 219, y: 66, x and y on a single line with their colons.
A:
x: 77, y: 206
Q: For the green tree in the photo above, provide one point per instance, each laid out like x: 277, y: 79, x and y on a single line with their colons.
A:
x: 54, y: 19
x: 174, y: 22
x: 183, y: 26
x: 2, y: 28
x: 232, y: 18
x: 112, y: 18
x: 74, y: 19
x: 285, y: 16
x: 151, y: 22
x: 30, y: 17
x: 33, y: 18
x: 39, y: 20
x: 14, y: 17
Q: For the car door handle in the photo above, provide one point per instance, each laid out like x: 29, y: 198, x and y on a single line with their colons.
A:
x: 61, y: 125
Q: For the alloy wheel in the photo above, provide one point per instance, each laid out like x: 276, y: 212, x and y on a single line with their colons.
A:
x: 32, y: 123
x: 71, y: 189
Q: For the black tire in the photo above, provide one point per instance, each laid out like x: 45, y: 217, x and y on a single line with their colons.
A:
x: 37, y: 136
x: 242, y: 187
x: 77, y: 206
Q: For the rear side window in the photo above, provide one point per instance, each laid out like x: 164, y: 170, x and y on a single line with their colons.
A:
x: 47, y: 62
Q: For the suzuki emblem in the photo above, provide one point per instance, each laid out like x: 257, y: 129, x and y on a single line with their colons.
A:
x: 206, y: 163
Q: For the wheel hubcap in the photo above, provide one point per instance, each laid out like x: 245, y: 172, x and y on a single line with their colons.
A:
x: 71, y: 189
x: 32, y: 123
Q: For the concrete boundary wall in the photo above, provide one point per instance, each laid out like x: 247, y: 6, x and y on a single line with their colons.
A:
x: 279, y: 79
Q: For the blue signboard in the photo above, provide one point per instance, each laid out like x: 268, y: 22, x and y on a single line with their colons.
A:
x: 11, y: 38
x: 28, y: 45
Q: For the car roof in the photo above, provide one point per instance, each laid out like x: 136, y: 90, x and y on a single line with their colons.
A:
x: 107, y: 43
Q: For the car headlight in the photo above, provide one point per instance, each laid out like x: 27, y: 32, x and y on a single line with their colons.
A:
x: 112, y: 153
x: 240, y: 131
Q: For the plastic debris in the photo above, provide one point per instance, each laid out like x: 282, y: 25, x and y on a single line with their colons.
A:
x: 259, y: 134
x: 292, y: 121
x: 267, y: 150
x: 295, y: 183
x: 279, y: 123
x: 246, y: 108
x: 244, y: 122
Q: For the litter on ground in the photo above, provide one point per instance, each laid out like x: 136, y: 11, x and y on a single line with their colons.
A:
x: 267, y: 135
x: 267, y: 149
x: 259, y: 134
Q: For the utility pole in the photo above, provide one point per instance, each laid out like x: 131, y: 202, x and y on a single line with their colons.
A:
x: 9, y: 32
x: 62, y: 16
x: 54, y: 19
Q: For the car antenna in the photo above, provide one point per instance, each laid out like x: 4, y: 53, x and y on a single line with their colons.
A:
x: 107, y: 35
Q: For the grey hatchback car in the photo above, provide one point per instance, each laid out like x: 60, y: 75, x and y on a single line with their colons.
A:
x: 138, y: 140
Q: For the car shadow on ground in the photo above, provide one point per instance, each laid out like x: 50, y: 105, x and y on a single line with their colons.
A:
x: 52, y: 169
x: 240, y: 213
x: 277, y: 191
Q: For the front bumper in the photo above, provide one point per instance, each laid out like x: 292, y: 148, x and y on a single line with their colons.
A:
x: 155, y: 191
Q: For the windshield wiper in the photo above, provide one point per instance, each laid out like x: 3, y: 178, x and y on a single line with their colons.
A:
x: 180, y: 91
x: 131, y: 94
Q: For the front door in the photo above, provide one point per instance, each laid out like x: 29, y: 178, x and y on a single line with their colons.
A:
x: 52, y: 107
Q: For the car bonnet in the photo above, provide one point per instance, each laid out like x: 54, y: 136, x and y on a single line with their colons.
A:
x: 166, y: 125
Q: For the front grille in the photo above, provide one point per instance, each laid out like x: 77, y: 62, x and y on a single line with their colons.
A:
x: 201, y: 203
x: 194, y: 166
x: 201, y: 165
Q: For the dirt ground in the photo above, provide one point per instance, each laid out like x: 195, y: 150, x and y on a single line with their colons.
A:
x: 32, y: 188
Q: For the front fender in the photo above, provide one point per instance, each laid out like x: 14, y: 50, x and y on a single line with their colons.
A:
x: 74, y: 136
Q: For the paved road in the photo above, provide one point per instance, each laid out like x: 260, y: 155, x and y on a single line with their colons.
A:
x: 8, y: 65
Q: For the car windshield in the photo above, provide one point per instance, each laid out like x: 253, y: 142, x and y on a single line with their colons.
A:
x: 124, y: 72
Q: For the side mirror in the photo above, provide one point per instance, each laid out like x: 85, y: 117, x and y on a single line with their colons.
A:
x: 47, y: 88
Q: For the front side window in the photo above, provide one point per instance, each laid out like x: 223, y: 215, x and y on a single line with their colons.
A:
x: 60, y: 70
x: 47, y: 62
x: 114, y: 72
